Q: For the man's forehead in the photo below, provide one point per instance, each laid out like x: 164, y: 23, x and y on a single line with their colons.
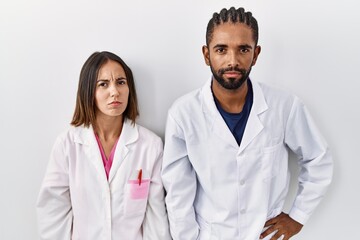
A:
x: 231, y: 27
x: 232, y: 32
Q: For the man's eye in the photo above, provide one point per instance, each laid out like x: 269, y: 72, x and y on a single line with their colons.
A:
x: 220, y: 50
x: 244, y: 50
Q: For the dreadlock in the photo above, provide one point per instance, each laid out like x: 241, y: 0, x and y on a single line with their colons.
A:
x: 234, y: 16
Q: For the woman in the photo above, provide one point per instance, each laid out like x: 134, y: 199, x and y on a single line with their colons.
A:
x: 103, y: 178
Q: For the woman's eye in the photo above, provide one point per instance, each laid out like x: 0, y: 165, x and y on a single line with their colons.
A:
x: 121, y: 82
x: 102, y: 84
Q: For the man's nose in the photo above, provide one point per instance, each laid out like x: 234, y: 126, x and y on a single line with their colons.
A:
x: 233, y: 59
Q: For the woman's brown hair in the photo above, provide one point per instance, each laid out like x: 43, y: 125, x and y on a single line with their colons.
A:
x: 85, y: 100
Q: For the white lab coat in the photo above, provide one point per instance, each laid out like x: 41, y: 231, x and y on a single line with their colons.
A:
x: 76, y: 200
x: 218, y: 190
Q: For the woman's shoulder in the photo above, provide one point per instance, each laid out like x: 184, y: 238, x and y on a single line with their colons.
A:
x: 148, y: 135
x: 74, y: 134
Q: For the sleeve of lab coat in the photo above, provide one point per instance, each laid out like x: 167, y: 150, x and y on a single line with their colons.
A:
x: 314, y: 158
x: 54, y: 205
x: 156, y: 224
x: 180, y: 184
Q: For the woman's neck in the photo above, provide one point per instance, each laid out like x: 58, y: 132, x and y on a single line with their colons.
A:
x: 108, y: 128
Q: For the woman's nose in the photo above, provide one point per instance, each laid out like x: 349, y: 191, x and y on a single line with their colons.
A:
x: 113, y: 90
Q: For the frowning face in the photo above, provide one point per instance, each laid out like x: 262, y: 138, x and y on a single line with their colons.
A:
x: 112, y: 90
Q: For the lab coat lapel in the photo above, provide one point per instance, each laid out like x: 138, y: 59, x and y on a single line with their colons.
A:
x: 254, y: 125
x: 214, y: 119
x: 220, y: 128
x: 129, y: 134
x: 86, y: 137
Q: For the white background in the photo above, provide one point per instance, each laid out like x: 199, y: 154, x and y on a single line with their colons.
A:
x: 310, y: 48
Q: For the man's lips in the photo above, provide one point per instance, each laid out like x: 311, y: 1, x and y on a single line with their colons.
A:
x: 232, y: 74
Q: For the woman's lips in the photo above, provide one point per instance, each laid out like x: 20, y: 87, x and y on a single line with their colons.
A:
x: 115, y: 103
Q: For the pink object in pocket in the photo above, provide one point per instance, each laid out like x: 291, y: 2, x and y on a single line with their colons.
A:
x: 139, y: 191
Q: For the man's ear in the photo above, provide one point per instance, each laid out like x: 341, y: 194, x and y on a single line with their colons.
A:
x: 205, y: 51
x: 256, y: 54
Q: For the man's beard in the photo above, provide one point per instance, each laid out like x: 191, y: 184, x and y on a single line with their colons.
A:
x: 232, y: 83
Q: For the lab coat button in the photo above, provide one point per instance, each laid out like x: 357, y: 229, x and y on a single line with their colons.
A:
x: 242, y: 182
x: 242, y: 211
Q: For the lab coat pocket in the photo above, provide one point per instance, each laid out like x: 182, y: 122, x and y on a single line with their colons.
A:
x: 136, y: 196
x: 138, y: 190
x: 270, y: 161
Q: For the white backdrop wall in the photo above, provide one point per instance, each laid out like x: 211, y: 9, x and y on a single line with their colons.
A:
x: 308, y: 47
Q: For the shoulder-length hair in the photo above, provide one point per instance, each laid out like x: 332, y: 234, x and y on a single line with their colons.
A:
x: 85, y: 107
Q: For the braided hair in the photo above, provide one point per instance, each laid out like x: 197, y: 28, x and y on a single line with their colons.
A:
x: 234, y: 16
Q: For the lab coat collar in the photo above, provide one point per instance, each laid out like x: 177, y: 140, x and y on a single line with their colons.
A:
x: 129, y: 135
x: 218, y: 125
x: 213, y: 116
x: 254, y: 125
x: 85, y: 135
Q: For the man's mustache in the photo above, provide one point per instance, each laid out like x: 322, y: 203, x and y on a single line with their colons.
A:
x: 232, y: 69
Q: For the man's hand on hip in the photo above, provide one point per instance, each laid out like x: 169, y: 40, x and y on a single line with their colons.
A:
x: 282, y: 225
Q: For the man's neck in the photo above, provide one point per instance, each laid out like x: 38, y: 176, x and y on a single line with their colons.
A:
x: 232, y: 101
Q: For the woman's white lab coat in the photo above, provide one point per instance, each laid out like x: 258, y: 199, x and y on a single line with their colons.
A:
x: 219, y: 190
x: 76, y: 200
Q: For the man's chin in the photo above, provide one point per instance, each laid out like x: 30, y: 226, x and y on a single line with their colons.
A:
x: 233, y: 83
x: 232, y: 80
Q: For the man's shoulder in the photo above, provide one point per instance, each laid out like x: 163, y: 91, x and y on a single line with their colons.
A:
x: 276, y: 98
x: 271, y: 89
x: 187, y: 101
x: 275, y: 93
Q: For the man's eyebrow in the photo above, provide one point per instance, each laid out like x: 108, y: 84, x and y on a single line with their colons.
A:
x: 220, y: 46
x: 240, y: 46
x: 245, y: 46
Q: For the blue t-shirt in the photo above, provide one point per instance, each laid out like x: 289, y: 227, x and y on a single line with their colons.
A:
x: 237, y: 121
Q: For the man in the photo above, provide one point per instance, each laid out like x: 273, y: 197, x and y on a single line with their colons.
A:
x: 225, y: 165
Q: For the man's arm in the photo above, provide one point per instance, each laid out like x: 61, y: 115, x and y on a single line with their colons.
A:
x: 315, y: 161
x: 179, y: 180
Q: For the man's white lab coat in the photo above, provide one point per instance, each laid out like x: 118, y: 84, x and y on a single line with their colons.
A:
x: 219, y: 190
x: 76, y: 200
